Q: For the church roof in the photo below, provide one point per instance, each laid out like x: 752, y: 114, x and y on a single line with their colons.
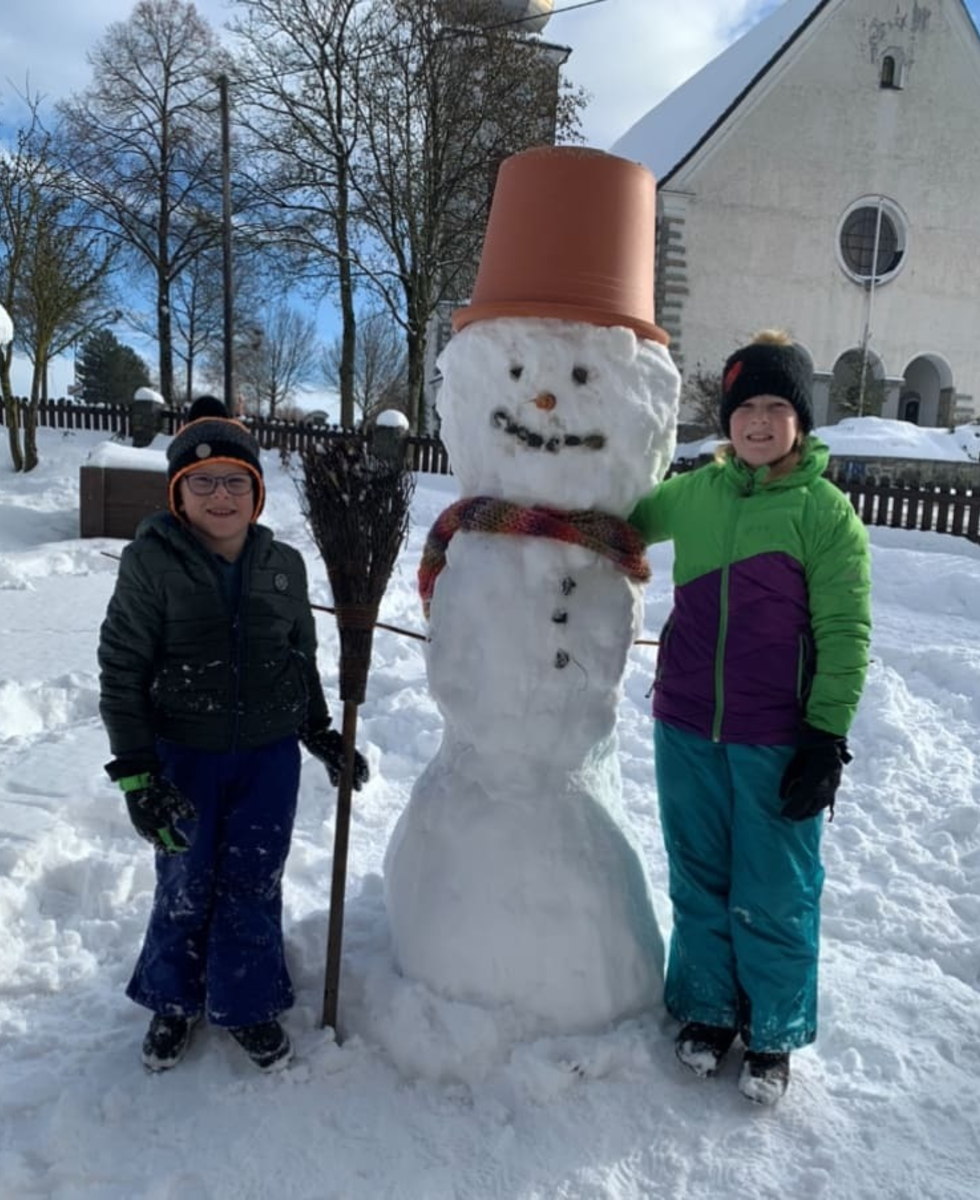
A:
x: 676, y: 127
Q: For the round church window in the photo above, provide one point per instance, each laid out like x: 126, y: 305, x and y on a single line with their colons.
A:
x: 871, y: 240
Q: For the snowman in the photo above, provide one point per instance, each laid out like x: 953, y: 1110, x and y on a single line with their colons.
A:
x: 512, y: 877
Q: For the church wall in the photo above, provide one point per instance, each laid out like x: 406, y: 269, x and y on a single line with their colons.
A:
x: 755, y: 214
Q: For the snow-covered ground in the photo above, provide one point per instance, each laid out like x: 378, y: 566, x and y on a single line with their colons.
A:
x: 881, y: 437
x: 430, y: 1100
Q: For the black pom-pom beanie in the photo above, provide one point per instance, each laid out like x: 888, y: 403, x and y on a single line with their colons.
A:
x: 211, y: 436
x: 768, y: 369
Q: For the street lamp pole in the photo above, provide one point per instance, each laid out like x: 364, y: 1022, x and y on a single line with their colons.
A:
x: 229, y: 388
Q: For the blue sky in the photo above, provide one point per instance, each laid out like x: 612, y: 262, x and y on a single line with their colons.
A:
x: 628, y: 54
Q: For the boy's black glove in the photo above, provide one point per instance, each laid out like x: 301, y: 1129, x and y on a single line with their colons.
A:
x: 328, y: 746
x: 811, y: 780
x: 155, y: 805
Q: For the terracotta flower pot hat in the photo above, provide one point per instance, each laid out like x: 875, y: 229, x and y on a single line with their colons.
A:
x: 571, y: 235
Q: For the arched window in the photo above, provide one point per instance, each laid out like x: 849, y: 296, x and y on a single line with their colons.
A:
x: 892, y: 69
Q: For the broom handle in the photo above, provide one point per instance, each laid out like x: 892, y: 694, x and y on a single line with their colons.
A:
x: 331, y: 983
x: 421, y: 637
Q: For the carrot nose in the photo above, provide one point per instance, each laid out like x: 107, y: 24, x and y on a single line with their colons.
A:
x: 545, y: 400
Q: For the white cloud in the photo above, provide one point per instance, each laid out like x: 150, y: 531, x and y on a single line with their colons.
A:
x: 627, y: 53
x: 45, y: 43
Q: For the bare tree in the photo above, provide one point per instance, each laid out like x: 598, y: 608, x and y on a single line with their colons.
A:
x: 144, y: 143
x: 300, y: 71
x: 379, y: 365
x: 442, y: 108
x: 379, y: 128
x: 857, y: 388
x: 54, y: 273
x: 701, y: 396
x: 274, y: 357
x: 197, y: 312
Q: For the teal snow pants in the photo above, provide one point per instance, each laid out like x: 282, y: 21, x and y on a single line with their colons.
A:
x: 745, y: 887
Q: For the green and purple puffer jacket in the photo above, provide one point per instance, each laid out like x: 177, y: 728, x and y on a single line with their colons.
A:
x: 772, y: 609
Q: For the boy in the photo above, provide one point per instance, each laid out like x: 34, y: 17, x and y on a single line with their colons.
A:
x: 208, y: 682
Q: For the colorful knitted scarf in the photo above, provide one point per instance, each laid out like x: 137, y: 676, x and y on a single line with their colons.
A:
x: 605, y: 534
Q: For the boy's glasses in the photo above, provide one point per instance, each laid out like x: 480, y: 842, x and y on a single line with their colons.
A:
x: 204, y: 485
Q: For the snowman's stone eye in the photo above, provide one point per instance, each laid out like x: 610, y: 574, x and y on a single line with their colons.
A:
x: 516, y: 372
x: 580, y: 374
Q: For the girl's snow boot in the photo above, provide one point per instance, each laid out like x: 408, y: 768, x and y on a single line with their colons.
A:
x: 703, y: 1047
x: 764, y: 1078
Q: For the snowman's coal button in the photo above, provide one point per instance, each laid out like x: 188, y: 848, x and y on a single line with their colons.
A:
x: 559, y: 616
x: 567, y: 585
x: 562, y: 659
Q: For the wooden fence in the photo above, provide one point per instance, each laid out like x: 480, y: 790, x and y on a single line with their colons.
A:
x: 428, y: 455
x: 933, y: 509
x: 949, y: 510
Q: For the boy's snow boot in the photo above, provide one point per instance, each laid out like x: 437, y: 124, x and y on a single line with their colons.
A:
x: 703, y: 1047
x: 166, y: 1040
x: 267, y: 1044
x: 764, y: 1078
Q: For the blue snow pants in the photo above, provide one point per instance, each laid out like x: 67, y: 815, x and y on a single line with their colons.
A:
x: 745, y: 887
x: 214, y: 943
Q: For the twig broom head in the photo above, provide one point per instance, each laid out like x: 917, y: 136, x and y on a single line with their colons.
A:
x: 357, y: 507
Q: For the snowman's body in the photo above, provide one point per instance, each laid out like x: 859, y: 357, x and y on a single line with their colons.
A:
x: 512, y: 877
x: 535, y: 601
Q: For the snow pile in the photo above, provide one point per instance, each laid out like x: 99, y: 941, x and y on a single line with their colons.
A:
x: 120, y: 456
x: 879, y: 437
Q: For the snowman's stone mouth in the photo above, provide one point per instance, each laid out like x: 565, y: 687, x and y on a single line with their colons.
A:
x: 502, y: 419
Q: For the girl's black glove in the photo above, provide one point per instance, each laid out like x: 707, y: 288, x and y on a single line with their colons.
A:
x: 328, y: 746
x: 155, y: 805
x: 811, y: 779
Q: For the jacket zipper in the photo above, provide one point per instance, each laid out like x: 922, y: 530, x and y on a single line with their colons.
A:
x: 235, y: 639
x: 720, y: 655
x: 236, y: 635
x: 723, y: 621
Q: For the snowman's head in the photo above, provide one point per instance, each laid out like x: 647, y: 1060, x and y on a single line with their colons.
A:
x: 562, y: 413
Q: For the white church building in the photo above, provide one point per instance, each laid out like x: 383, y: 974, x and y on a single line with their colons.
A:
x: 822, y: 176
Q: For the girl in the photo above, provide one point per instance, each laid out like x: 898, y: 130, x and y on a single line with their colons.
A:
x: 208, y: 681
x: 761, y: 665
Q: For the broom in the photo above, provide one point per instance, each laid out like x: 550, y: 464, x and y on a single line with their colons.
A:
x: 357, y: 505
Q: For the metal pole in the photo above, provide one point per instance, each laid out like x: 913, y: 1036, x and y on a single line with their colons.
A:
x: 229, y: 385
x: 867, y: 322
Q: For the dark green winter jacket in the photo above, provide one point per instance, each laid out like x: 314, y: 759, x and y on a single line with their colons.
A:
x: 178, y: 661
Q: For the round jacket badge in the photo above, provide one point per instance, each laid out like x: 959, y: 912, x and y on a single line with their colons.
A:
x: 203, y: 450
x: 281, y: 582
